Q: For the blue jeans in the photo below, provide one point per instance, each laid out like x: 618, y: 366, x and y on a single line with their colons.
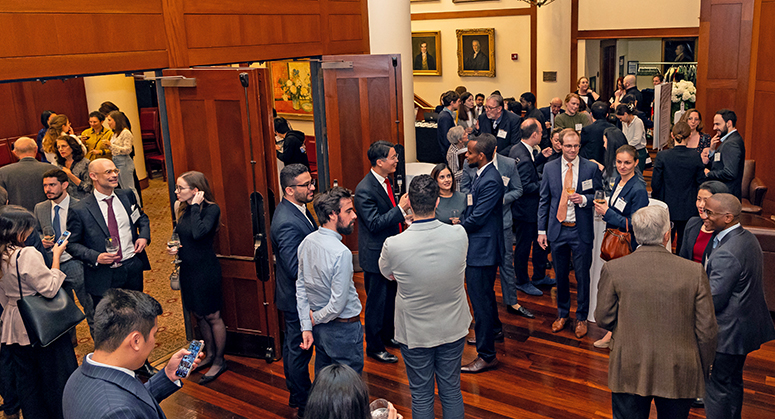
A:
x: 338, y: 343
x: 443, y: 363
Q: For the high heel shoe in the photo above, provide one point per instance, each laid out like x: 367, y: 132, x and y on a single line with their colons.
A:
x: 202, y: 366
x: 210, y: 378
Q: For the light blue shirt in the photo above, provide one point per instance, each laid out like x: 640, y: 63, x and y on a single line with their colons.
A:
x: 720, y: 236
x: 325, y: 282
x: 712, y: 152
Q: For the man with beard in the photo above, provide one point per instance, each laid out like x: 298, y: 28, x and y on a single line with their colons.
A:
x: 327, y: 302
x: 292, y: 222
x: 727, y: 153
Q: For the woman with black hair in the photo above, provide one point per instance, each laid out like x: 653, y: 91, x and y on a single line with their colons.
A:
x: 465, y: 113
x: 71, y: 160
x: 44, y: 118
x: 339, y: 393
x: 634, y: 130
x: 41, y: 372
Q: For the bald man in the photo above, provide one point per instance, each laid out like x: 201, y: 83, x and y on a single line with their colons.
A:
x: 24, y: 179
x: 631, y: 88
x: 735, y: 272
x: 550, y: 112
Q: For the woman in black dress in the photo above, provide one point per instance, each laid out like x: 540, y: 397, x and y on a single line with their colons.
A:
x: 200, y: 272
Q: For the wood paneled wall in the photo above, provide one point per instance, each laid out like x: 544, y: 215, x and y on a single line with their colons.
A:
x: 74, y: 37
x: 22, y: 103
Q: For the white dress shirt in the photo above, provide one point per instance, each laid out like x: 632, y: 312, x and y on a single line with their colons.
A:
x: 570, y: 215
x: 382, y: 183
x: 123, y: 221
x: 63, y: 207
x: 303, y: 210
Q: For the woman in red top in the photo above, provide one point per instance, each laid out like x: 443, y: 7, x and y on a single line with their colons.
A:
x: 696, y: 238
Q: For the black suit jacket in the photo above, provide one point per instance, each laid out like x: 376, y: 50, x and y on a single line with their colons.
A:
x: 547, y: 111
x: 480, y: 63
x: 378, y: 219
x: 678, y: 172
x: 691, y: 232
x: 99, y: 392
x: 89, y: 231
x: 729, y: 167
x: 510, y: 125
x: 443, y: 125
x: 418, y: 62
x: 483, y: 220
x: 592, y: 141
x: 526, y: 207
x: 289, y: 227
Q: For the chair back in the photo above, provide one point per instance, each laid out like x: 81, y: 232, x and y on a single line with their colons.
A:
x: 749, y: 172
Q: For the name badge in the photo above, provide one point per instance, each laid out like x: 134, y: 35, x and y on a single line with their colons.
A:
x: 579, y: 127
x: 469, y: 200
x: 587, y: 184
x: 505, y: 180
x: 135, y: 215
x: 620, y: 204
x: 648, y: 160
x: 717, y: 157
x: 501, y: 133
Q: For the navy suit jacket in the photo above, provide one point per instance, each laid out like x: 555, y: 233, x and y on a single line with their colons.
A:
x: 289, y: 227
x: 378, y: 219
x: 510, y: 124
x: 735, y: 269
x: 551, y: 190
x: 635, y: 196
x: 443, y: 125
x: 507, y: 168
x: 89, y: 231
x: 526, y: 207
x: 691, y: 232
x: 483, y: 220
x: 547, y: 110
x: 98, y: 392
x: 592, y: 141
x: 729, y: 167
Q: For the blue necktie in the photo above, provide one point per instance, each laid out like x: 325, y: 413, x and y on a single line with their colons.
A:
x: 57, y: 224
x: 715, y: 242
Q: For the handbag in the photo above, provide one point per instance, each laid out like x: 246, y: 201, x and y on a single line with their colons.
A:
x: 46, y: 319
x: 616, y: 243
x: 175, y: 276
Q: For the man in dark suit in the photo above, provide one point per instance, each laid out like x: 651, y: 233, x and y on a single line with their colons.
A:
x: 664, y: 357
x: 550, y: 112
x: 631, y: 88
x: 423, y: 60
x: 24, y: 179
x: 524, y: 212
x: 565, y: 219
x: 528, y: 101
x: 592, y: 147
x: 104, y: 386
x: 378, y: 218
x: 727, y: 153
x: 744, y: 323
x: 109, y: 212
x: 483, y: 221
x: 478, y: 61
x: 502, y: 125
x: 451, y: 101
x: 291, y: 223
x: 479, y: 108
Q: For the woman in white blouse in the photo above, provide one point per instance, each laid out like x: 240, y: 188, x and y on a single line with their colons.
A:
x: 41, y: 373
x: 633, y: 129
x: 465, y: 113
x: 121, y: 147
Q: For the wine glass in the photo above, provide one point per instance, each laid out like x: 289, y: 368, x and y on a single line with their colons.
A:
x: 599, y: 199
x: 174, y: 241
x: 112, y: 244
x: 454, y: 214
x: 49, y: 233
x: 379, y: 409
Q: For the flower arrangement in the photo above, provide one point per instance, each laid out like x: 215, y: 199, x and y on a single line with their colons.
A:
x: 683, y: 96
x: 296, y: 89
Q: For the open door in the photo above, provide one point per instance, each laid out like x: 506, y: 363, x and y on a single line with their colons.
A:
x: 224, y: 130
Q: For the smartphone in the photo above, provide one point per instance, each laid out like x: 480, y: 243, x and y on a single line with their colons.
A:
x: 63, y: 237
x: 187, y: 363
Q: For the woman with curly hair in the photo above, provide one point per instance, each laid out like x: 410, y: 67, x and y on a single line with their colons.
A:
x: 69, y: 158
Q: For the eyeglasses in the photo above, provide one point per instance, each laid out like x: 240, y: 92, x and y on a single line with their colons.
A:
x: 711, y: 213
x: 571, y: 146
x: 491, y: 108
x: 307, y: 185
x: 111, y: 172
x: 180, y: 188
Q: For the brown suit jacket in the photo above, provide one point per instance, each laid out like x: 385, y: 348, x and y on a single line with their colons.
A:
x: 664, y: 336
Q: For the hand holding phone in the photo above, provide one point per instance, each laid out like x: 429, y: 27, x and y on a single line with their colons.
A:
x: 63, y: 237
x: 189, y: 361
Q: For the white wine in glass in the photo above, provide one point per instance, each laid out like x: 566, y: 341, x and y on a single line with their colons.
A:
x: 112, y: 244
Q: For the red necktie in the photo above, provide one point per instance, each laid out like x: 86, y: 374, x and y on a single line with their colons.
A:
x: 393, y: 200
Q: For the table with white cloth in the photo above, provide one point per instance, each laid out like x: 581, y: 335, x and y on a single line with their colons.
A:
x: 597, y: 261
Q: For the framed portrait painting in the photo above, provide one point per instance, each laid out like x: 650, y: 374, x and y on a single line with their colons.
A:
x: 426, y: 53
x: 292, y: 89
x: 476, y: 52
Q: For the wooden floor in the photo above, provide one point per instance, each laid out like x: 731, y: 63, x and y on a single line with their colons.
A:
x: 541, y: 375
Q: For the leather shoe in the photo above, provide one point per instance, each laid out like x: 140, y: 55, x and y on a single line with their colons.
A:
x: 210, y: 378
x: 581, y: 328
x: 392, y: 343
x: 559, y: 324
x: 479, y: 365
x: 698, y: 403
x: 530, y: 289
x: 545, y: 281
x: 499, y: 337
x: 147, y: 370
x: 384, y: 356
x: 521, y: 311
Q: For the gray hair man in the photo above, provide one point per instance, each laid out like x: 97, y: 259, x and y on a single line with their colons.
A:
x: 664, y: 357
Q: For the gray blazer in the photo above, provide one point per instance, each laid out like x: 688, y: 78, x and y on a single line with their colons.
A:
x: 24, y: 182
x: 735, y: 272
x: 43, y: 213
x: 428, y: 260
x: 507, y: 167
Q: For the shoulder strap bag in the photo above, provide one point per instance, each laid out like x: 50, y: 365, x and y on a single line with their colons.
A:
x: 616, y: 243
x: 46, y: 319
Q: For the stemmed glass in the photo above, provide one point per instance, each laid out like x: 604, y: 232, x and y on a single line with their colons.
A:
x: 174, y: 243
x: 112, y: 244
x: 599, y: 199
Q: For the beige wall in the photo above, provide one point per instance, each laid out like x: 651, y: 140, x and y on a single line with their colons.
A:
x: 637, y: 14
x: 553, y: 50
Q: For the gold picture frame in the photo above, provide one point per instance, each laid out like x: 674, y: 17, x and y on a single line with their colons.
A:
x: 472, y: 63
x: 292, y: 89
x: 432, y: 41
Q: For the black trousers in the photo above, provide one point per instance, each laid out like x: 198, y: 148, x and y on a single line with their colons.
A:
x: 724, y: 388
x: 380, y: 306
x: 633, y: 406
x: 678, y: 234
x: 8, y: 383
x: 41, y: 375
x: 526, y: 234
x: 295, y: 361
x: 127, y: 276
x: 480, y: 281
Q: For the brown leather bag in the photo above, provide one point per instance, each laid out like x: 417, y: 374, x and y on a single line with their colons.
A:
x: 616, y: 243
